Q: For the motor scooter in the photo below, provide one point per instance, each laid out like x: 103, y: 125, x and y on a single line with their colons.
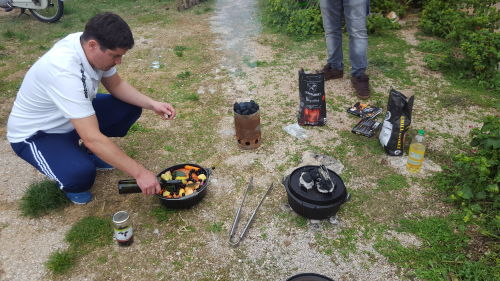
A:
x: 43, y: 10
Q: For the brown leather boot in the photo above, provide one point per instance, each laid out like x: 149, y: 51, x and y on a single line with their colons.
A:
x: 362, y: 86
x: 331, y: 73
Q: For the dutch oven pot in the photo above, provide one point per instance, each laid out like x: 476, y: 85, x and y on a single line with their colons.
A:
x: 311, y: 203
x: 130, y: 186
x: 309, y: 277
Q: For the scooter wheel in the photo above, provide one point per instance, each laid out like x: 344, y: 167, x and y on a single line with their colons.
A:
x: 52, y: 13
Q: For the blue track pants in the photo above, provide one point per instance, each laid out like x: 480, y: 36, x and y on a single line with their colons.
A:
x: 59, y: 156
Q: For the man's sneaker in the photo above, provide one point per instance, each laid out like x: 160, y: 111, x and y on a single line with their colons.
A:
x: 362, y: 86
x: 100, y: 165
x: 331, y: 73
x: 80, y: 198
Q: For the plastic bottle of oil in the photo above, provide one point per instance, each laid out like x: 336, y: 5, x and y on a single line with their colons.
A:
x: 416, y: 153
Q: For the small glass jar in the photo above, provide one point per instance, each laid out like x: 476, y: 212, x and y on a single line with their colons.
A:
x: 124, y: 233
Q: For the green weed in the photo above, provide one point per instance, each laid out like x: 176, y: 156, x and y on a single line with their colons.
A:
x: 190, y: 228
x: 61, y: 261
x: 102, y: 260
x: 364, y: 145
x: 387, y: 53
x: 184, y: 75
x: 192, y: 97
x: 202, y: 10
x: 83, y: 237
x: 442, y: 254
x: 162, y: 214
x: 392, y: 182
x: 137, y: 128
x: 90, y: 232
x: 299, y: 221
x: 153, y: 18
x: 169, y: 148
x: 257, y: 63
x: 9, y: 34
x: 216, y: 227
x: 344, y: 242
x: 179, y: 50
x: 41, y: 198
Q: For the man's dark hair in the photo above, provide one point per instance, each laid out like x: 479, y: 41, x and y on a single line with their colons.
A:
x: 109, y: 30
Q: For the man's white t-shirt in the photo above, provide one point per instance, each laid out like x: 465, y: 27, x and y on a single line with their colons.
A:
x: 60, y: 86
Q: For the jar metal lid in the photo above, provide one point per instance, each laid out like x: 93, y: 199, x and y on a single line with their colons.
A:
x: 120, y: 217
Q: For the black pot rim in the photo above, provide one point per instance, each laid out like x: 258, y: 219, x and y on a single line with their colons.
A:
x: 338, y: 195
x: 313, y: 208
x: 324, y: 278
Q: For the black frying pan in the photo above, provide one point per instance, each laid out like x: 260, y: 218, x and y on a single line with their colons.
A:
x: 130, y: 186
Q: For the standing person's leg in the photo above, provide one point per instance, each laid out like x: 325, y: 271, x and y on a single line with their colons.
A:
x: 59, y: 157
x: 355, y: 15
x: 355, y: 12
x: 331, y: 13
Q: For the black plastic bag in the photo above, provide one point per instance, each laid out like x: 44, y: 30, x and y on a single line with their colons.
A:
x: 396, y: 123
x: 312, y: 108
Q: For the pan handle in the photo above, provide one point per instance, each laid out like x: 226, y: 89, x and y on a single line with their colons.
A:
x: 128, y: 186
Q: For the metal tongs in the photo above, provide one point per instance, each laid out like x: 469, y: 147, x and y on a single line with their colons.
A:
x: 234, y: 241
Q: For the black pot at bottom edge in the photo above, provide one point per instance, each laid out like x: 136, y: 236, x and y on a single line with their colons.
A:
x: 309, y: 277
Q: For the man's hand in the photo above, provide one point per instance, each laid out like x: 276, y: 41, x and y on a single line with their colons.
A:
x: 165, y: 110
x: 148, y: 183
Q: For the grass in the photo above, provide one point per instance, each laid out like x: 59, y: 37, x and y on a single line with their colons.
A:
x: 169, y: 148
x: 442, y: 255
x: 179, y: 50
x: 387, y: 52
x: 392, y: 182
x: 90, y: 232
x: 61, y: 261
x: 162, y: 214
x: 138, y: 128
x: 344, y: 242
x: 216, y: 227
x: 184, y: 75
x: 9, y: 34
x: 84, y: 236
x: 41, y: 198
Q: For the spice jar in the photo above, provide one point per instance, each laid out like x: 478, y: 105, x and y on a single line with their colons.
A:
x: 124, y: 233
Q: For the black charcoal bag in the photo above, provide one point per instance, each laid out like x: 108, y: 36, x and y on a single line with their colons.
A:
x: 312, y: 108
x: 396, y: 123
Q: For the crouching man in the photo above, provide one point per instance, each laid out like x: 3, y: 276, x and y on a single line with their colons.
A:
x: 58, y: 108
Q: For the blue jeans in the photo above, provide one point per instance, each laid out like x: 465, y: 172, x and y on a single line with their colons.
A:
x: 355, y: 12
x: 59, y: 157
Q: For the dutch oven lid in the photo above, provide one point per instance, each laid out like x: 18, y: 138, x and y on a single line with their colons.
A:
x: 309, y: 277
x: 313, y: 196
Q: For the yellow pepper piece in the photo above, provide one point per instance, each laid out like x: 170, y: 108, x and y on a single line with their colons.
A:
x: 166, y: 176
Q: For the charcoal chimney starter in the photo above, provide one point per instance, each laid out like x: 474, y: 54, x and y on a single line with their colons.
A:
x: 247, y: 124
